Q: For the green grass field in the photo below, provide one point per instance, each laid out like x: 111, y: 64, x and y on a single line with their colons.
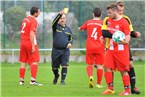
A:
x: 76, y: 82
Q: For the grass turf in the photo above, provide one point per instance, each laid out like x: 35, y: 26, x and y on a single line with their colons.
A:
x: 76, y: 82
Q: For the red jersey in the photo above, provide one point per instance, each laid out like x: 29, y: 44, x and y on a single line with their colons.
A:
x: 28, y: 24
x: 121, y: 25
x: 94, y: 33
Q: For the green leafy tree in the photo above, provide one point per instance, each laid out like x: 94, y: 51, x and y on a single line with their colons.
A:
x: 14, y: 17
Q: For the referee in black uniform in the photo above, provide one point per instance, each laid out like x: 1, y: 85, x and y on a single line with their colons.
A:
x: 62, y: 41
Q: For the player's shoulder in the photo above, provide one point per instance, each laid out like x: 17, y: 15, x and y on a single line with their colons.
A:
x: 95, y: 22
x: 88, y: 21
x: 125, y: 21
x: 30, y: 19
x: 125, y: 16
x: 106, y: 18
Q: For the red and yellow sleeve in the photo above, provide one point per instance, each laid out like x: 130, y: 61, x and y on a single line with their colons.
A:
x: 104, y: 26
x: 129, y: 21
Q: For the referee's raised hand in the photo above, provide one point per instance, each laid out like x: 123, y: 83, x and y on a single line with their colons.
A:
x: 61, y: 12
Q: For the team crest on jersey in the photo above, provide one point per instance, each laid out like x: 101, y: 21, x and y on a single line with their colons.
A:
x: 117, y: 26
x: 108, y: 23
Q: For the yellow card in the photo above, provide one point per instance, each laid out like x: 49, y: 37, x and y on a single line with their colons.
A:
x: 65, y: 10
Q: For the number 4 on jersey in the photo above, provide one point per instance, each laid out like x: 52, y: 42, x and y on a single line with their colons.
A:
x: 94, y: 33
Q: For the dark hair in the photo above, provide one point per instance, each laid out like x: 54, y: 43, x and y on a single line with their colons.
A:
x: 97, y: 12
x: 112, y: 6
x: 34, y: 10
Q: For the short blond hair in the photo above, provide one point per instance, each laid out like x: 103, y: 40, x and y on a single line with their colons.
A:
x: 120, y: 3
x: 112, y: 6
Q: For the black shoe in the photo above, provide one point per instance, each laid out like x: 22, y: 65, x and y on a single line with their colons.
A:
x: 55, y: 79
x: 62, y: 83
x: 135, y: 91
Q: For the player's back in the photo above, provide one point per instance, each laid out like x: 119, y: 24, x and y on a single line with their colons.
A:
x: 94, y: 34
x: 28, y: 24
x: 94, y: 30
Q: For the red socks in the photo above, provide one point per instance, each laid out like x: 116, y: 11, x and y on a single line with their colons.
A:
x: 89, y: 70
x: 109, y: 79
x: 99, y: 76
x: 126, y: 82
x: 22, y: 73
x: 99, y: 73
x: 33, y: 68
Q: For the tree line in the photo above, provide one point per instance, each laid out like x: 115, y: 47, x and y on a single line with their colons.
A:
x: 16, y: 11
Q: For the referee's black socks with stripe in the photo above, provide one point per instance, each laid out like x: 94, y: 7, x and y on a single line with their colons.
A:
x: 132, y: 78
x: 63, y: 74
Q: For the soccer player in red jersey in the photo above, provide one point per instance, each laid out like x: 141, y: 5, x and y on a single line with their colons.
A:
x: 134, y: 34
x: 117, y: 56
x: 28, y: 47
x: 94, y: 47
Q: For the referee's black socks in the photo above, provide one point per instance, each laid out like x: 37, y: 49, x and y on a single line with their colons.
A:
x: 63, y: 74
x: 132, y: 77
x: 55, y: 72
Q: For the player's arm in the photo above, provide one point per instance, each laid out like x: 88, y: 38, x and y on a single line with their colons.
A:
x: 126, y: 31
x: 55, y: 21
x: 32, y: 35
x: 32, y: 38
x: 126, y: 40
x: 83, y: 27
x: 69, y: 45
x: 133, y: 34
x: 105, y: 32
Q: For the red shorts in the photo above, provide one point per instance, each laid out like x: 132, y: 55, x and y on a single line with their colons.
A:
x: 117, y: 60
x: 26, y: 55
x: 95, y: 58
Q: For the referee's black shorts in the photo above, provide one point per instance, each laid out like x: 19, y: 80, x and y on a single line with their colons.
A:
x: 130, y: 55
x: 60, y: 57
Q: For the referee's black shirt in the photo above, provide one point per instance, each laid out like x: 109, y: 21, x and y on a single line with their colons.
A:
x: 61, y: 35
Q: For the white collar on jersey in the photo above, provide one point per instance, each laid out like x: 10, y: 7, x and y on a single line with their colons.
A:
x: 96, y: 18
x: 32, y: 16
x: 118, y: 18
